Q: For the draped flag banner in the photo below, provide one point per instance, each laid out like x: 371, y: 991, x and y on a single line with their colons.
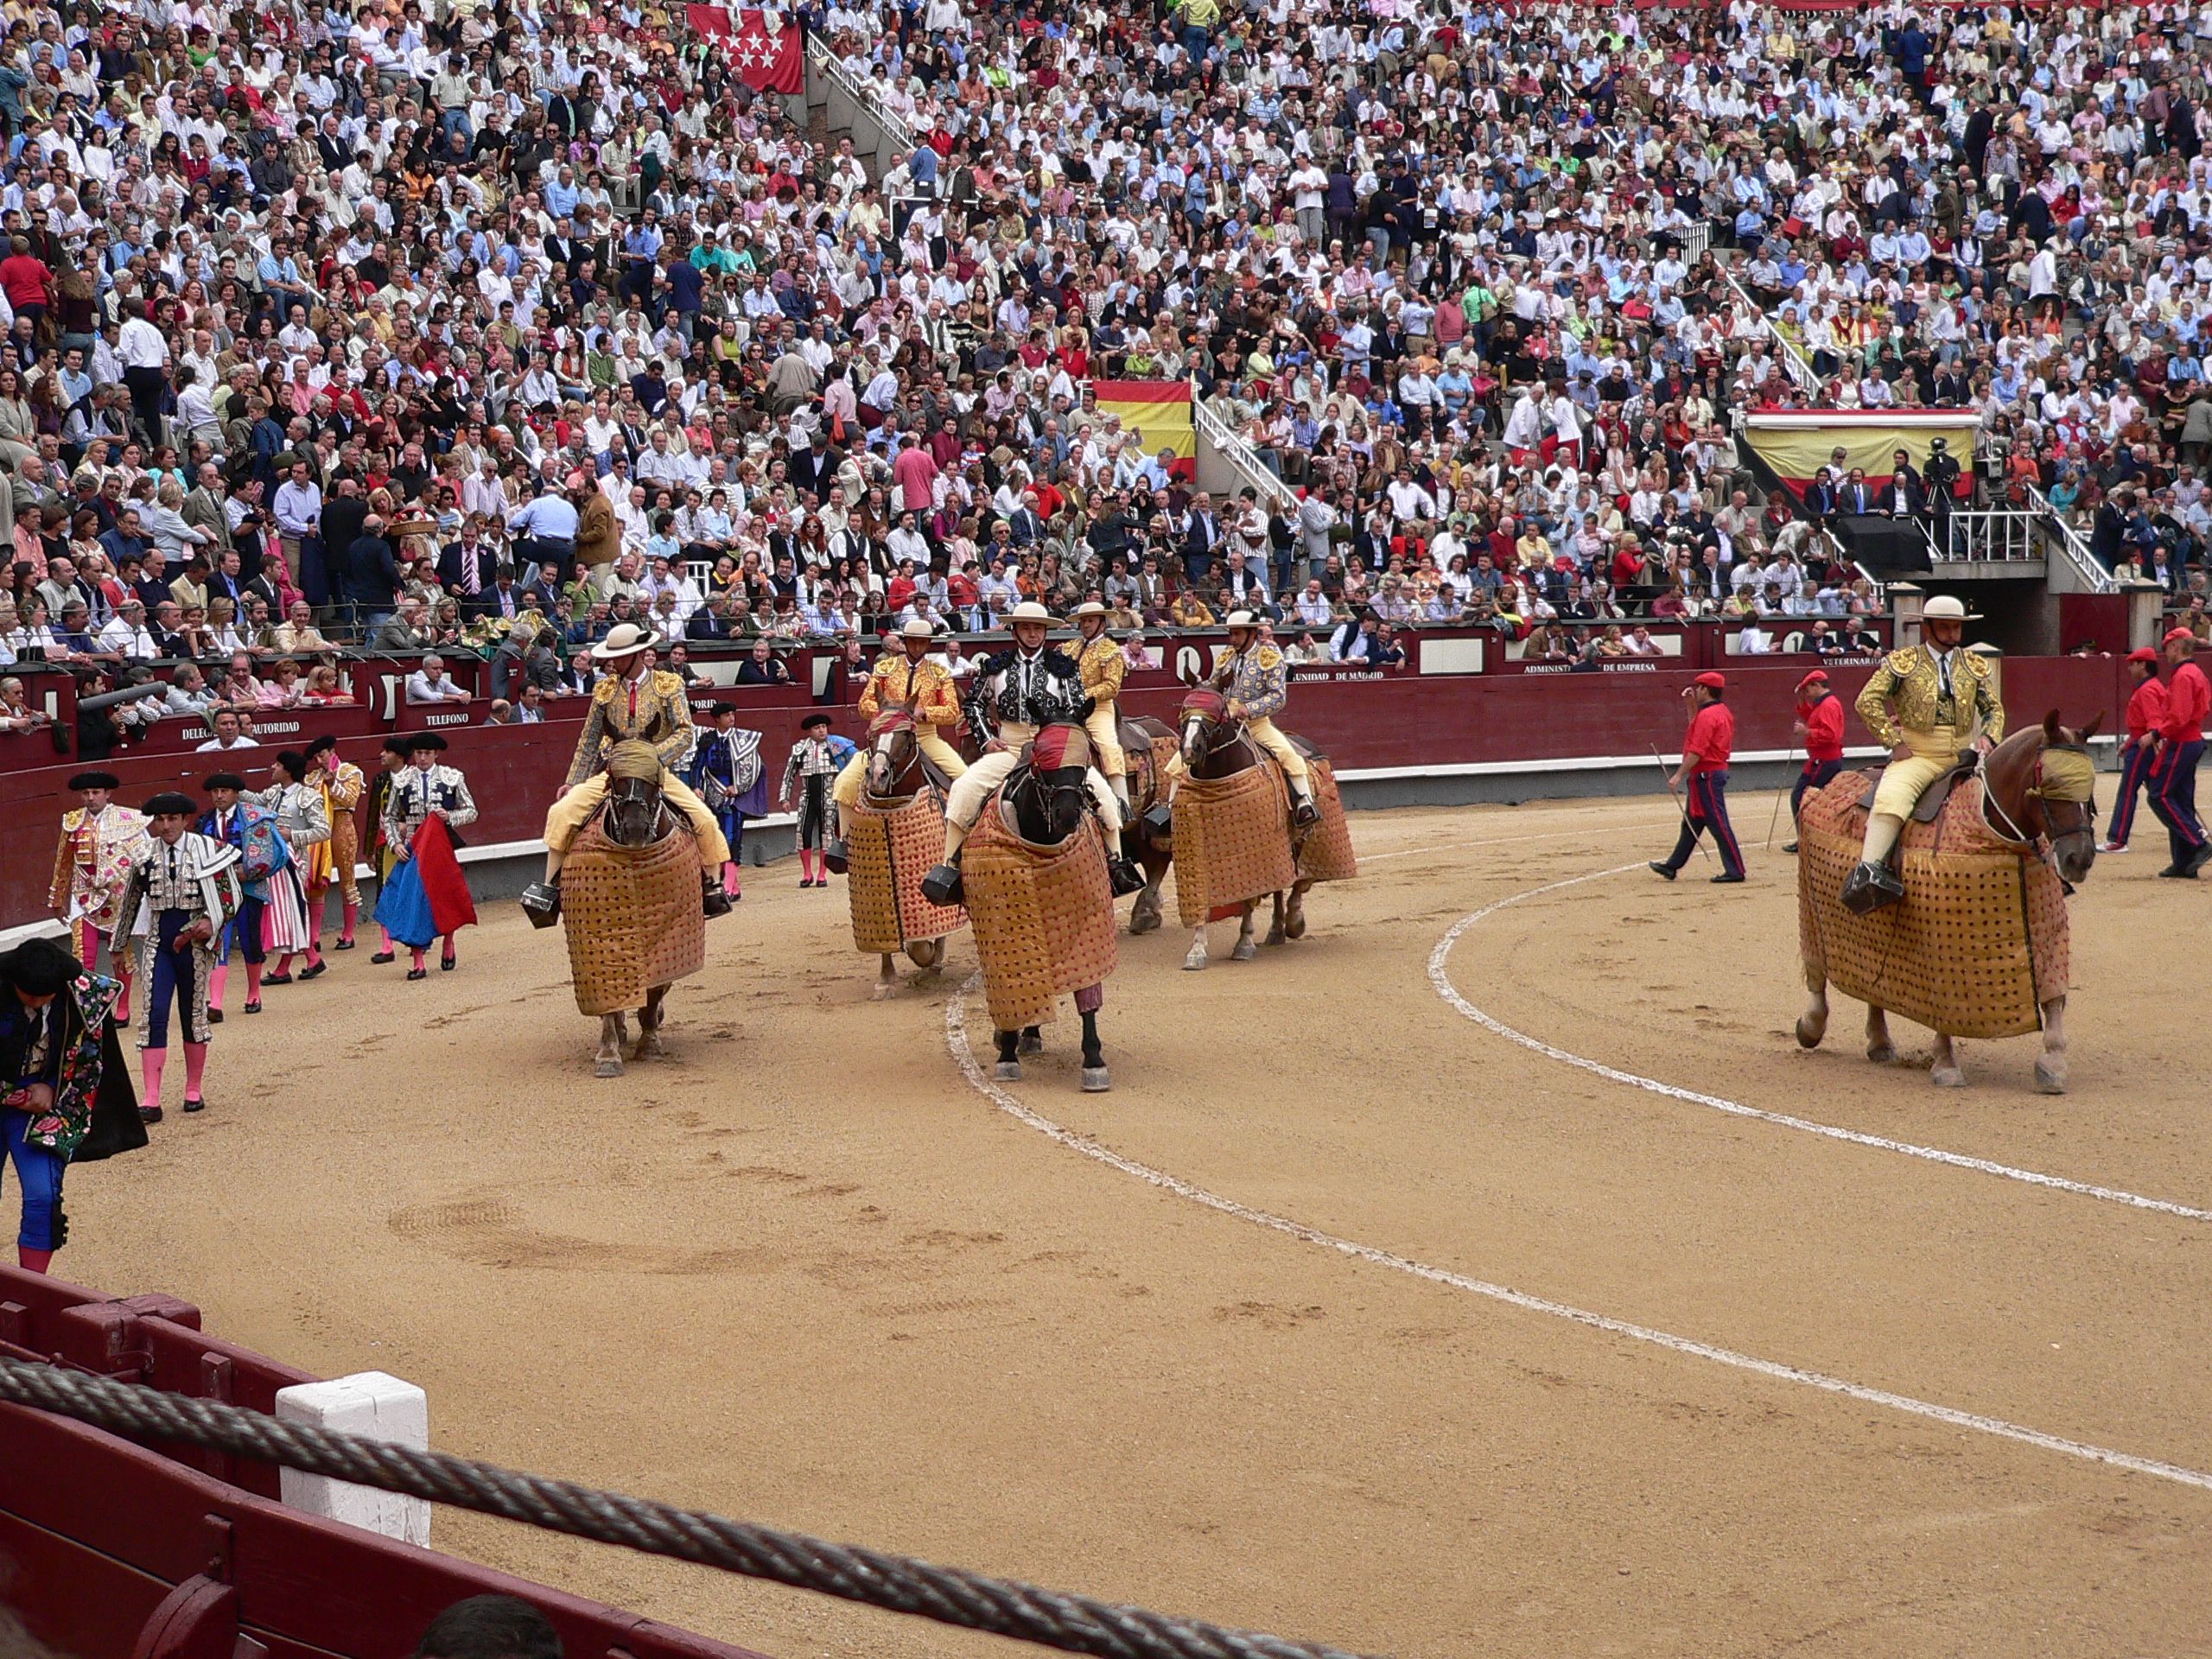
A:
x: 1797, y: 443
x: 764, y: 45
x: 1157, y: 413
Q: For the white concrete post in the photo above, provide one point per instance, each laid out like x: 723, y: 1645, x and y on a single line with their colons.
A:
x: 380, y: 1408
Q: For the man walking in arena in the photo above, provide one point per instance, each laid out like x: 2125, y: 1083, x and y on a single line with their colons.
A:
x: 1820, y: 729
x: 2138, y: 755
x: 1704, y: 773
x: 2181, y: 745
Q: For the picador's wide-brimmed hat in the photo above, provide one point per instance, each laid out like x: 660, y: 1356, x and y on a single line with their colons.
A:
x: 1030, y: 611
x: 1242, y: 620
x: 623, y: 639
x: 1089, y: 608
x: 917, y: 628
x: 1944, y: 608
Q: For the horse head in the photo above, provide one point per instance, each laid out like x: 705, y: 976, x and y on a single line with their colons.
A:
x: 891, y: 752
x: 1206, y: 725
x: 1053, y: 792
x: 633, y: 811
x: 2042, y: 783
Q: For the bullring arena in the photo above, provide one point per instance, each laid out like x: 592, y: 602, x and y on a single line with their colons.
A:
x: 1489, y: 1271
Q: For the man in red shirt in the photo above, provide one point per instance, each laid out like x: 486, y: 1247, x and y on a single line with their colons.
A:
x: 1705, y: 772
x: 2181, y: 745
x: 2146, y: 712
x: 26, y: 279
x: 1820, y: 729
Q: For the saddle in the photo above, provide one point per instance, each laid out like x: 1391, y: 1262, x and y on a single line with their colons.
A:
x: 1929, y: 806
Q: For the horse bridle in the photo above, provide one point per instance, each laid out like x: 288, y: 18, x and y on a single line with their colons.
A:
x: 2037, y: 789
x: 633, y: 793
x: 893, y: 763
x: 1045, y: 796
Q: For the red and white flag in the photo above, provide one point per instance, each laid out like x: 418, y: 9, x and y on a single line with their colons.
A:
x: 763, y: 45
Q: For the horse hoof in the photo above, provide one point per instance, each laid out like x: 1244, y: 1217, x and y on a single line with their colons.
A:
x: 883, y: 988
x: 1947, y: 1077
x: 1194, y: 964
x: 1033, y: 1042
x: 1096, y: 1080
x: 1143, y: 921
x: 1244, y: 951
x: 1882, y: 1054
x: 1275, y: 935
x: 2050, y: 1080
x: 1008, y: 1071
x: 609, y: 1068
x: 1809, y: 1034
x: 1296, y: 929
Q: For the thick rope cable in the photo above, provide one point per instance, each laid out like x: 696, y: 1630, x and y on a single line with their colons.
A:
x: 1072, y: 1624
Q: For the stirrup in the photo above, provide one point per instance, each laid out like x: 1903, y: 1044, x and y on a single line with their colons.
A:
x: 1869, y: 887
x: 713, y: 901
x: 1125, y: 877
x: 1160, y: 821
x: 942, y: 886
x: 835, y: 854
x: 540, y: 902
x: 1304, y: 813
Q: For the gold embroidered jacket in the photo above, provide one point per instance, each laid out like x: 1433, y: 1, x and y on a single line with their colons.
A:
x: 1102, y: 668
x: 927, y: 686
x: 1912, y: 682
x: 653, y: 708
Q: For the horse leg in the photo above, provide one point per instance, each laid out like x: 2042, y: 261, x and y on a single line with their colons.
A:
x: 1946, y: 1073
x: 1879, y: 1048
x: 649, y: 1025
x: 1275, y: 923
x: 1197, y: 958
x: 1033, y: 1040
x: 1144, y: 915
x: 1096, y: 1080
x: 2051, y: 1064
x: 925, y: 954
x: 613, y: 1033
x: 1245, y: 949
x: 1813, y: 1024
x: 886, y: 981
x: 1008, y: 1070
x: 1293, y: 917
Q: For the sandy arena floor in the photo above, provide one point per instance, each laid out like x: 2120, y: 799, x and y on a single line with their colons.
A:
x: 807, y: 1272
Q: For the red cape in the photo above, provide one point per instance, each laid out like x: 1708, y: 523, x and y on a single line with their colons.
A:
x: 443, y: 884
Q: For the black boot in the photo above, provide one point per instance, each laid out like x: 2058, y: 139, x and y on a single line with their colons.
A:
x: 712, y: 899
x: 834, y: 856
x: 1125, y: 877
x: 1869, y: 887
x: 942, y: 884
x: 541, y: 901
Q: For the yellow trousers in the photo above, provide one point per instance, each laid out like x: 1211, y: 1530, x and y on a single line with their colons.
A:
x: 573, y: 810
x: 1263, y: 733
x: 846, y: 791
x: 1934, y: 754
x: 1104, y: 726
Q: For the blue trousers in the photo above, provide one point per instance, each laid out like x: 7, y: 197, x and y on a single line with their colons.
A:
x: 1816, y: 774
x: 2175, y: 800
x: 39, y: 1171
x: 1708, y: 809
x: 2137, y: 769
x: 174, y: 976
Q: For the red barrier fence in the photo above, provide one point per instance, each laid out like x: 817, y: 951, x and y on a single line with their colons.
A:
x: 113, y: 1550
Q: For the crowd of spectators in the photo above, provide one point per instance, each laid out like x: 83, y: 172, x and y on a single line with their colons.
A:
x: 488, y: 324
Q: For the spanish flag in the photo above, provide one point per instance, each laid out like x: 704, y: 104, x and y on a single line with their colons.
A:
x: 1157, y: 414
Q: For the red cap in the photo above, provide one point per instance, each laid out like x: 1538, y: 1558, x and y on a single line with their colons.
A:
x: 2143, y: 654
x: 1818, y: 676
x: 1713, y: 681
x: 2173, y: 634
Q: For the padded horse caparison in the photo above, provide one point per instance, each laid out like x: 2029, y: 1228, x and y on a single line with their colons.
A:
x: 1930, y: 803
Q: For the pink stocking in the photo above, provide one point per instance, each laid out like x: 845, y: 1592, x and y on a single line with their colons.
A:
x: 253, y: 981
x: 195, y: 1069
x: 217, y: 977
x: 729, y: 878
x: 283, y: 966
x: 150, y: 1062
x: 33, y: 1261
x: 415, y: 957
x: 352, y: 912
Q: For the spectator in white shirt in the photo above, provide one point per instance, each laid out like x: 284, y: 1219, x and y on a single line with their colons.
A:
x: 428, y: 683
x: 127, y: 634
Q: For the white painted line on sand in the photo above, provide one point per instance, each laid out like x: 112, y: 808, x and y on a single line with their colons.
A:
x: 1439, y: 977
x: 1508, y: 841
x: 955, y: 1037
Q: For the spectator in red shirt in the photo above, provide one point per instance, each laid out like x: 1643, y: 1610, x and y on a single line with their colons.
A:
x: 1704, y: 771
x: 26, y: 281
x: 2181, y: 745
x: 1820, y: 729
x: 2138, y: 755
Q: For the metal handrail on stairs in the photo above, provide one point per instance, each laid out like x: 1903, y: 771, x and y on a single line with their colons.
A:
x: 1240, y: 454
x: 2086, y: 567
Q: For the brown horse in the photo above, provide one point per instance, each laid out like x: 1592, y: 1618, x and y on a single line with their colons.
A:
x: 635, y: 821
x: 2037, y: 793
x: 1150, y: 837
x: 896, y: 772
x: 1215, y: 745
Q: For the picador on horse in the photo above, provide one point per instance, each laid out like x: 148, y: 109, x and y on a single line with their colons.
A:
x: 1256, y: 681
x: 1942, y: 697
x: 905, y: 678
x: 1017, y: 691
x: 632, y: 702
